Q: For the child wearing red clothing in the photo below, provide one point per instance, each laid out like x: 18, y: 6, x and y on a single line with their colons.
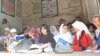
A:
x: 82, y: 38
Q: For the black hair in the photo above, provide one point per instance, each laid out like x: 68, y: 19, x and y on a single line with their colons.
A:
x: 78, y: 18
x: 90, y: 24
x: 46, y: 27
x: 65, y: 24
x: 4, y: 21
x: 70, y: 25
x: 62, y: 21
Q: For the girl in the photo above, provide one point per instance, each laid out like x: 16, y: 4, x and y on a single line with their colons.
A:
x: 82, y: 37
x: 64, y: 34
x: 63, y: 40
x: 5, y: 37
x: 92, y: 29
x: 46, y: 39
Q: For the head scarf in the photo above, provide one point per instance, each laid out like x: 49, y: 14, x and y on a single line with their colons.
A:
x: 80, y: 26
x: 60, y: 29
x: 65, y: 36
x: 53, y: 30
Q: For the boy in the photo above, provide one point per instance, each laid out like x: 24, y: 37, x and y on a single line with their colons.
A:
x: 96, y: 22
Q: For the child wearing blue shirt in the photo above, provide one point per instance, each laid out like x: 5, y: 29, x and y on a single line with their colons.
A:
x: 96, y: 22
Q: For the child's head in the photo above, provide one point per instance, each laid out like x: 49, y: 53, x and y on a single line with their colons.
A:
x: 76, y: 27
x: 25, y: 29
x: 13, y: 32
x: 79, y: 26
x: 4, y: 21
x: 6, y: 31
x: 96, y: 21
x: 69, y: 25
x: 62, y: 21
x: 44, y: 29
x: 30, y: 32
x: 91, y: 27
x: 64, y: 29
x: 78, y: 18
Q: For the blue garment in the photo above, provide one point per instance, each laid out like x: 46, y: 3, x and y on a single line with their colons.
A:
x: 20, y: 37
x: 98, y: 41
x: 62, y: 41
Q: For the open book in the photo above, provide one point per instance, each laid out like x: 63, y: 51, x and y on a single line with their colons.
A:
x: 34, y: 46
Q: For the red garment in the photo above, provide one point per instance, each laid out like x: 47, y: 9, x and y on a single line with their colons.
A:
x: 35, y: 33
x: 86, y: 41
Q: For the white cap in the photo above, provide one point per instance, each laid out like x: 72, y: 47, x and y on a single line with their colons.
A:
x: 6, y: 29
x: 13, y: 30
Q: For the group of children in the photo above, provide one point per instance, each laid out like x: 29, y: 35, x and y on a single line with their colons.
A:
x: 71, y: 37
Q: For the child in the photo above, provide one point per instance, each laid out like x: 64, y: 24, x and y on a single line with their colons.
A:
x: 64, y: 34
x: 35, y: 34
x: 12, y: 40
x: 25, y: 42
x: 82, y: 37
x: 13, y: 34
x: 46, y: 39
x: 96, y: 22
x: 92, y: 29
x: 4, y: 24
x: 64, y: 40
x: 5, y: 36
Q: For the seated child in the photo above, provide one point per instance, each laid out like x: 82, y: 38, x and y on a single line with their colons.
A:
x: 82, y: 37
x: 64, y: 40
x: 46, y: 39
x: 96, y: 22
